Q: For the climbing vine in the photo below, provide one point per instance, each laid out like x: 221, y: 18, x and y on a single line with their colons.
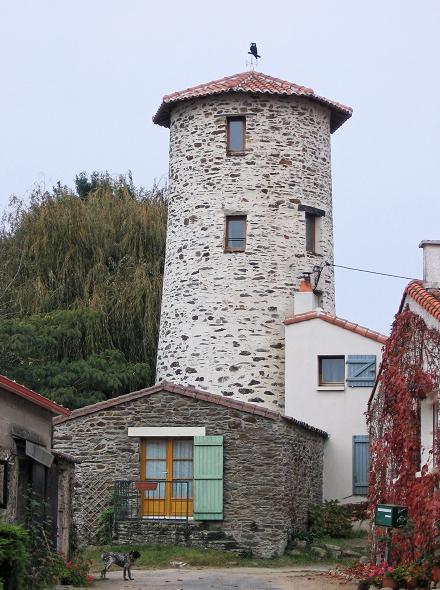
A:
x: 410, y: 374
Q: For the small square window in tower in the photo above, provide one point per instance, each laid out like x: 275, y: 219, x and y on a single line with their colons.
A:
x: 236, y: 135
x: 235, y: 238
x: 331, y: 370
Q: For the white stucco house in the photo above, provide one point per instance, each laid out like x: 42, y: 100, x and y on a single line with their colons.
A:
x: 331, y: 367
x: 423, y: 299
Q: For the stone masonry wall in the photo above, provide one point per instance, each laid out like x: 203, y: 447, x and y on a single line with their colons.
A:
x: 272, y: 471
x: 222, y: 313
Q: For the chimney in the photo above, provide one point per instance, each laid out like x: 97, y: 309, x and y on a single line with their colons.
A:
x: 431, y: 263
x: 305, y: 299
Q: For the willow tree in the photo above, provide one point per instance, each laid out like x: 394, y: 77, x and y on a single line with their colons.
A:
x: 98, y: 252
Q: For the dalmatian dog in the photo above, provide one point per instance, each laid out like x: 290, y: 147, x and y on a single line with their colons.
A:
x: 124, y: 560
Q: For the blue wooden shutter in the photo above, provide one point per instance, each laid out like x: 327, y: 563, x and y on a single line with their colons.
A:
x: 360, y: 465
x: 361, y: 370
x: 208, y: 477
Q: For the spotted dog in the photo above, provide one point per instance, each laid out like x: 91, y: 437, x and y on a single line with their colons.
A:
x: 124, y: 560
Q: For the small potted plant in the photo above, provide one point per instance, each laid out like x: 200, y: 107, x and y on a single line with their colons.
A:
x: 389, y: 580
x: 400, y: 574
x: 375, y: 576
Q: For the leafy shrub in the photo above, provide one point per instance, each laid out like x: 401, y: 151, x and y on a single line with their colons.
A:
x: 105, y: 520
x: 357, y: 511
x: 13, y: 556
x: 308, y: 536
x: 45, y: 565
x: 76, y: 571
x: 329, y: 519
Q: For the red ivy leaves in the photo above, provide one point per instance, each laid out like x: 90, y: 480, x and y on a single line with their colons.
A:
x: 410, y: 373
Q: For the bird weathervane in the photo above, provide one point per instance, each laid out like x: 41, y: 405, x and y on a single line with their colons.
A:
x: 252, y: 63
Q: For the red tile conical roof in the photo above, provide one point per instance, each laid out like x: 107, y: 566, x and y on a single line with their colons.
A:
x: 254, y: 82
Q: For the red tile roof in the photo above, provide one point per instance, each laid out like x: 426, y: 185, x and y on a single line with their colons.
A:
x: 254, y: 82
x: 429, y: 299
x: 32, y: 396
x: 187, y: 392
x: 332, y: 319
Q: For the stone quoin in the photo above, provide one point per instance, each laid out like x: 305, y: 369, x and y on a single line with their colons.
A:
x: 222, y: 312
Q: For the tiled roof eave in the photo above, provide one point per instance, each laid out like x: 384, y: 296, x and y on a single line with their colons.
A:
x: 191, y: 392
x: 32, y: 396
x: 253, y: 83
x: 423, y: 297
x: 336, y: 321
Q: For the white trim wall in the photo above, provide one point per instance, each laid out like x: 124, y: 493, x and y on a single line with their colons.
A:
x: 166, y: 431
x: 339, y: 410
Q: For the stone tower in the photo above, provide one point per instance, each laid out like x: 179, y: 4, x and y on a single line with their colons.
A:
x: 250, y: 210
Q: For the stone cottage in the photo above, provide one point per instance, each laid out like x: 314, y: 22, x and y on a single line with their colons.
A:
x: 28, y: 462
x: 223, y: 473
x: 208, y: 456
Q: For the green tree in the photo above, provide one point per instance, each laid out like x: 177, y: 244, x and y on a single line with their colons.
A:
x: 80, y: 288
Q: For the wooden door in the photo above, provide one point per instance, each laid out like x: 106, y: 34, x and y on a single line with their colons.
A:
x: 168, y: 462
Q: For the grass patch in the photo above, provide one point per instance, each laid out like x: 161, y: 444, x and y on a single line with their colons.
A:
x: 159, y: 556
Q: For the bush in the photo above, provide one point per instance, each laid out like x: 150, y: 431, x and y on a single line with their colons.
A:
x: 106, y: 520
x: 45, y: 565
x: 329, y: 519
x: 76, y: 571
x: 13, y: 556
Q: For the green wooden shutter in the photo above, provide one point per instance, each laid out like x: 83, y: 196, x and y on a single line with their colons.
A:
x: 361, y: 370
x: 208, y: 477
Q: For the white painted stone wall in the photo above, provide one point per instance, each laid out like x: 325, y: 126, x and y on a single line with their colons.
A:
x: 429, y: 415
x: 222, y: 313
x: 340, y: 412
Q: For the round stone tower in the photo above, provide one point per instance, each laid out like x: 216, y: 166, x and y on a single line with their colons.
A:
x: 250, y: 210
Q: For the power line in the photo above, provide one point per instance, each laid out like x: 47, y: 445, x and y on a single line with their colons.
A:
x: 372, y: 272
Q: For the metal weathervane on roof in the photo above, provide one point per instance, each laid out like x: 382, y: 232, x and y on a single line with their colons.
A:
x: 252, y: 62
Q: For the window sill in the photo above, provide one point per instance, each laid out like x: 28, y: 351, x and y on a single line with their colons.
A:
x: 331, y: 388
x: 236, y: 153
x: 170, y: 518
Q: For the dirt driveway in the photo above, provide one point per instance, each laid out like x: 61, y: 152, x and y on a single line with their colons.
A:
x: 223, y: 579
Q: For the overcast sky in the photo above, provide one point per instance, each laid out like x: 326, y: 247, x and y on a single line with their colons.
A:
x: 81, y: 79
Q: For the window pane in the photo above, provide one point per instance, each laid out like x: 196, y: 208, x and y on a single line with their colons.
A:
x: 332, y: 370
x: 236, y: 135
x: 182, y: 449
x: 310, y: 232
x: 156, y: 469
x: 182, y: 469
x: 157, y: 449
x: 182, y: 490
x: 236, y: 233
